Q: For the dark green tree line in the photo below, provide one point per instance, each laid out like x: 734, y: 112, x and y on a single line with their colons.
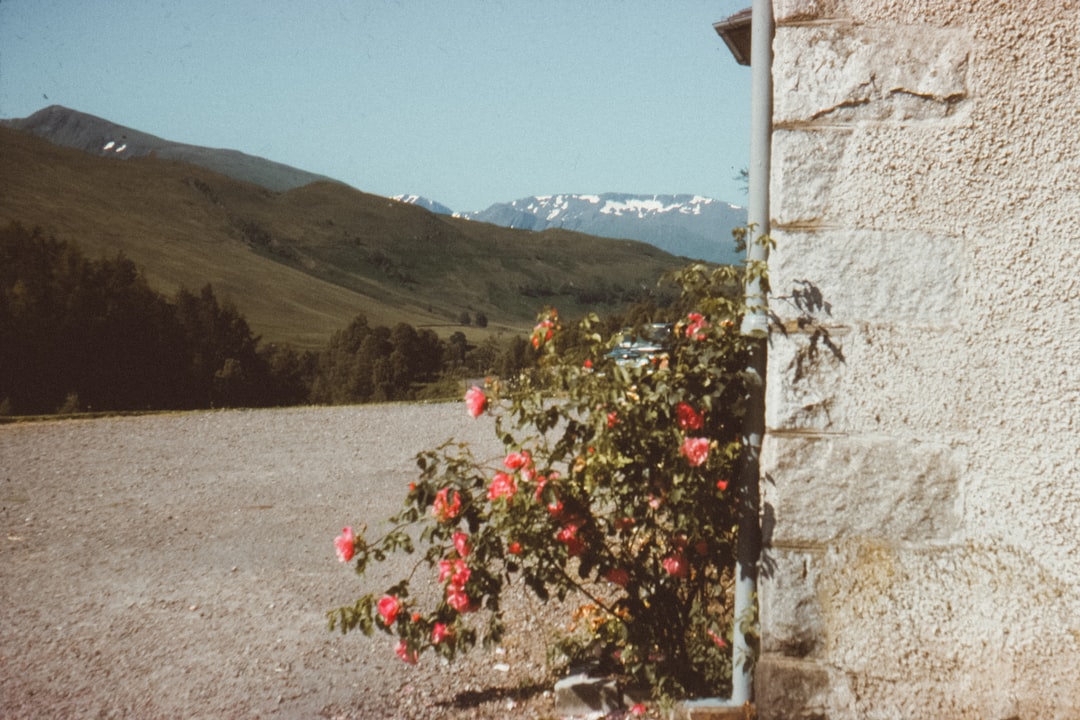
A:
x: 92, y: 335
x: 83, y: 334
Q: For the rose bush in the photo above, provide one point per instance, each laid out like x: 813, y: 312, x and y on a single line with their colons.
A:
x: 614, y: 487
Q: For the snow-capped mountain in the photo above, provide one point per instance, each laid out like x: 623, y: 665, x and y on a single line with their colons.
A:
x: 687, y: 225
x: 421, y: 201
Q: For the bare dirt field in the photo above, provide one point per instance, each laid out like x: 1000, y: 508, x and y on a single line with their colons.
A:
x: 181, y: 565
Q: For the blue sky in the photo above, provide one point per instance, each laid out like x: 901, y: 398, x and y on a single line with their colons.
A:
x: 465, y: 102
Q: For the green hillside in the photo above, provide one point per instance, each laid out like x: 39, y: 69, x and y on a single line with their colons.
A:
x: 302, y: 263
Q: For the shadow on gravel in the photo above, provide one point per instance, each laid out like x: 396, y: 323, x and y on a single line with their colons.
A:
x: 475, y: 698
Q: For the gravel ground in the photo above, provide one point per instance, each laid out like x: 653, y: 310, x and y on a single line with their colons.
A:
x: 181, y: 565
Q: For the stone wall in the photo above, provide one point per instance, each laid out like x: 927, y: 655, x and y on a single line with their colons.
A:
x: 921, y: 469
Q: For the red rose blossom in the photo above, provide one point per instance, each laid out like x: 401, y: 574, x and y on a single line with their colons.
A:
x: 388, y: 609
x: 403, y: 652
x: 461, y: 544
x: 696, y: 450
x: 688, y: 418
x: 345, y: 544
x: 475, y: 401
x: 545, y: 329
x: 502, y: 486
x: 719, y: 641
x: 518, y: 460
x: 444, y: 508
x: 441, y: 633
x: 568, y: 535
x: 457, y: 599
x: 696, y: 322
x: 455, y: 570
x: 675, y: 565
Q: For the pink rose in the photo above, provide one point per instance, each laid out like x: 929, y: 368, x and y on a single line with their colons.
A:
x: 446, y: 569
x: 388, y: 609
x: 403, y: 652
x: 688, y: 418
x: 461, y: 574
x: 461, y: 544
x: 475, y: 401
x: 345, y: 543
x: 574, y: 544
x: 444, y: 508
x: 696, y: 322
x: 455, y: 570
x: 721, y: 485
x: 541, y: 483
x: 719, y: 641
x: 638, y: 710
x: 545, y: 329
x: 457, y: 599
x: 518, y: 460
x: 441, y: 633
x: 502, y: 486
x: 696, y: 450
x: 675, y: 565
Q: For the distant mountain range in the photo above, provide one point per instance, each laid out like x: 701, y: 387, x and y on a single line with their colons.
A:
x: 685, y: 225
x: 688, y: 226
x: 89, y: 133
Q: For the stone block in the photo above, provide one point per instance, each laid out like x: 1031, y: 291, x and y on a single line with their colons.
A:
x: 788, y: 11
x: 847, y: 73
x: 807, y: 168
x: 822, y: 488
x: 908, y: 381
x: 875, y: 12
x: 791, y: 623
x: 877, y: 176
x: 940, y: 630
x: 808, y: 378
x: 867, y: 276
x: 787, y: 689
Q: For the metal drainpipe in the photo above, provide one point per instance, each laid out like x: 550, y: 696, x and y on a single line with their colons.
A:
x: 755, y: 325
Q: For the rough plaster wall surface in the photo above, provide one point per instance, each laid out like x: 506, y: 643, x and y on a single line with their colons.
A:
x: 921, y: 475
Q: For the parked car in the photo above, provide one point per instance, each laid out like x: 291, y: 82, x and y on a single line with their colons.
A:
x: 642, y: 346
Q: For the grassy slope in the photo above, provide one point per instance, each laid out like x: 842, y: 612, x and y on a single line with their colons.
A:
x: 301, y: 264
